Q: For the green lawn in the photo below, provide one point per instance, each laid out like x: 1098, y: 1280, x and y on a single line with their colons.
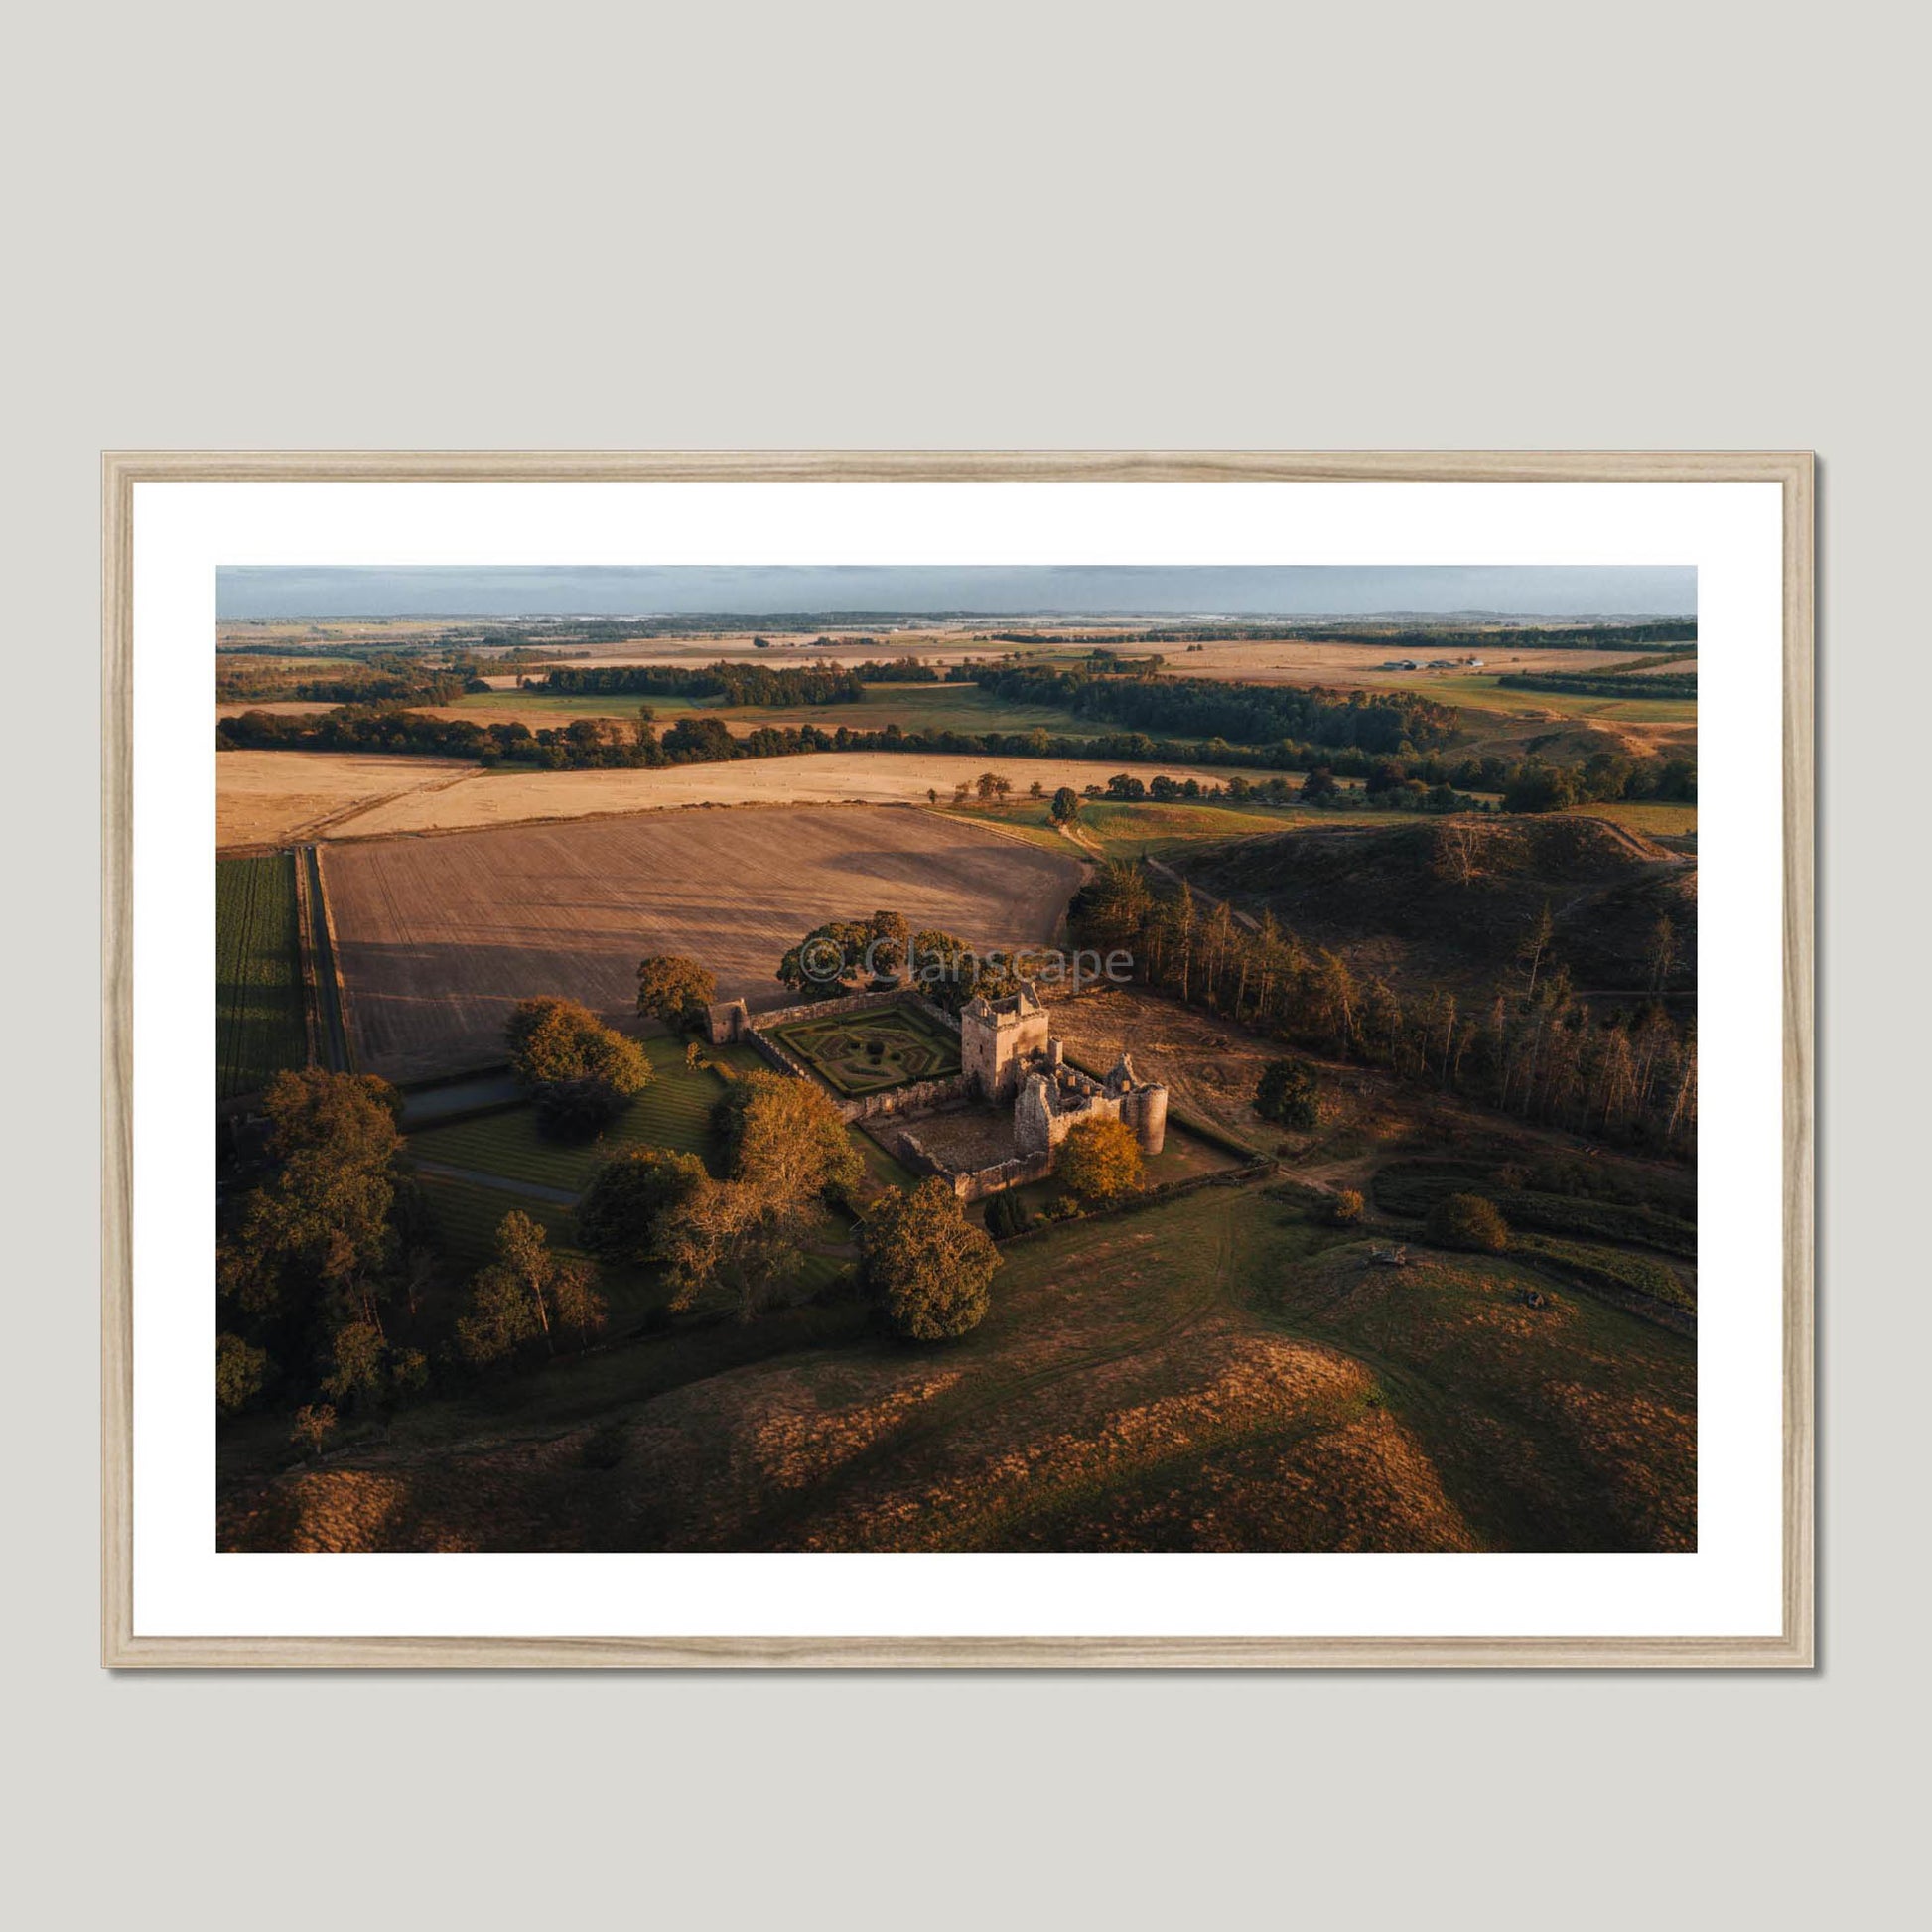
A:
x: 674, y: 1111
x: 258, y: 1022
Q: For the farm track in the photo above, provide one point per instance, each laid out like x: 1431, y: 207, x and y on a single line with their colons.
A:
x: 334, y: 1027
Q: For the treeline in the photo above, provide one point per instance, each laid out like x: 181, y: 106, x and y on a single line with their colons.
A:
x: 735, y: 684
x: 602, y: 744
x: 380, y: 680
x: 1529, y: 1047
x: 1247, y: 714
x: 1601, y: 636
x: 1604, y: 684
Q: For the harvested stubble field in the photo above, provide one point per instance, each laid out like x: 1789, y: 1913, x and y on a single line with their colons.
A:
x: 440, y: 936
x: 277, y: 798
x: 1215, y: 1373
x: 506, y: 797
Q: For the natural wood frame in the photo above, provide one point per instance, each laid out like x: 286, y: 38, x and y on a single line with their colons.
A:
x: 122, y: 471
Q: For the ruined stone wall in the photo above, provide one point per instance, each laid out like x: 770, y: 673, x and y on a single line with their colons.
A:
x: 978, y: 1182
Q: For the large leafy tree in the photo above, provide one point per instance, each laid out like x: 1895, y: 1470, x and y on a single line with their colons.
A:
x: 788, y: 1152
x: 528, y: 1293
x: 552, y: 1040
x: 786, y: 1139
x: 1100, y: 1159
x: 950, y: 973
x: 320, y: 1237
x: 631, y: 1204
x: 580, y: 1074
x: 674, y: 990
x: 1286, y: 1094
x: 1471, y: 1221
x: 930, y: 1267
x: 830, y: 958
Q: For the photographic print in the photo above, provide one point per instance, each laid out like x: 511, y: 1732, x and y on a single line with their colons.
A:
x: 1026, y: 1059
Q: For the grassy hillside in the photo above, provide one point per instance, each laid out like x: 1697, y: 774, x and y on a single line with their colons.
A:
x: 1215, y: 1373
x: 1450, y: 901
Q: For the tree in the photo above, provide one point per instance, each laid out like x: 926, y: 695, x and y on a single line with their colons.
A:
x: 320, y: 1231
x: 1469, y: 1221
x: 1005, y: 1216
x: 824, y: 963
x: 240, y: 1369
x: 786, y: 1139
x: 1346, y: 1208
x: 1066, y: 805
x: 1286, y: 1094
x: 1537, y: 787
x: 1036, y: 789
x: 623, y: 1214
x: 552, y: 1040
x: 1536, y: 944
x: 950, y: 973
x: 1319, y: 786
x: 356, y: 1362
x: 674, y: 990
x: 929, y: 1267
x: 1661, y: 956
x: 527, y: 1292
x: 1100, y: 1159
x: 315, y: 1423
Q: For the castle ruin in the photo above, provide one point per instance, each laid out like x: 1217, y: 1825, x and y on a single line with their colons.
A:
x: 1008, y: 1060
x: 1008, y: 1051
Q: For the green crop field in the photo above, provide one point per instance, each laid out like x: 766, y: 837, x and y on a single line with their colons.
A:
x: 867, y: 1053
x: 1133, y: 828
x: 1657, y: 820
x: 1483, y: 693
x: 258, y: 1023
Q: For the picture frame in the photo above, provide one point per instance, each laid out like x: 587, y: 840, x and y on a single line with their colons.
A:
x: 124, y: 1646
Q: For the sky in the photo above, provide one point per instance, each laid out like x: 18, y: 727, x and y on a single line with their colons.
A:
x: 1303, y: 590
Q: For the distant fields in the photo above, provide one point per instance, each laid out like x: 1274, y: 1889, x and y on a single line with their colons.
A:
x: 1129, y: 829
x: 1657, y: 821
x: 913, y: 707
x: 258, y: 1017
x: 1483, y: 693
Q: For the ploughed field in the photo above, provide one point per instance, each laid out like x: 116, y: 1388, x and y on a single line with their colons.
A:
x: 440, y: 936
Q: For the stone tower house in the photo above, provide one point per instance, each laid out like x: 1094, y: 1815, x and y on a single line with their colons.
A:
x: 996, y: 1040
